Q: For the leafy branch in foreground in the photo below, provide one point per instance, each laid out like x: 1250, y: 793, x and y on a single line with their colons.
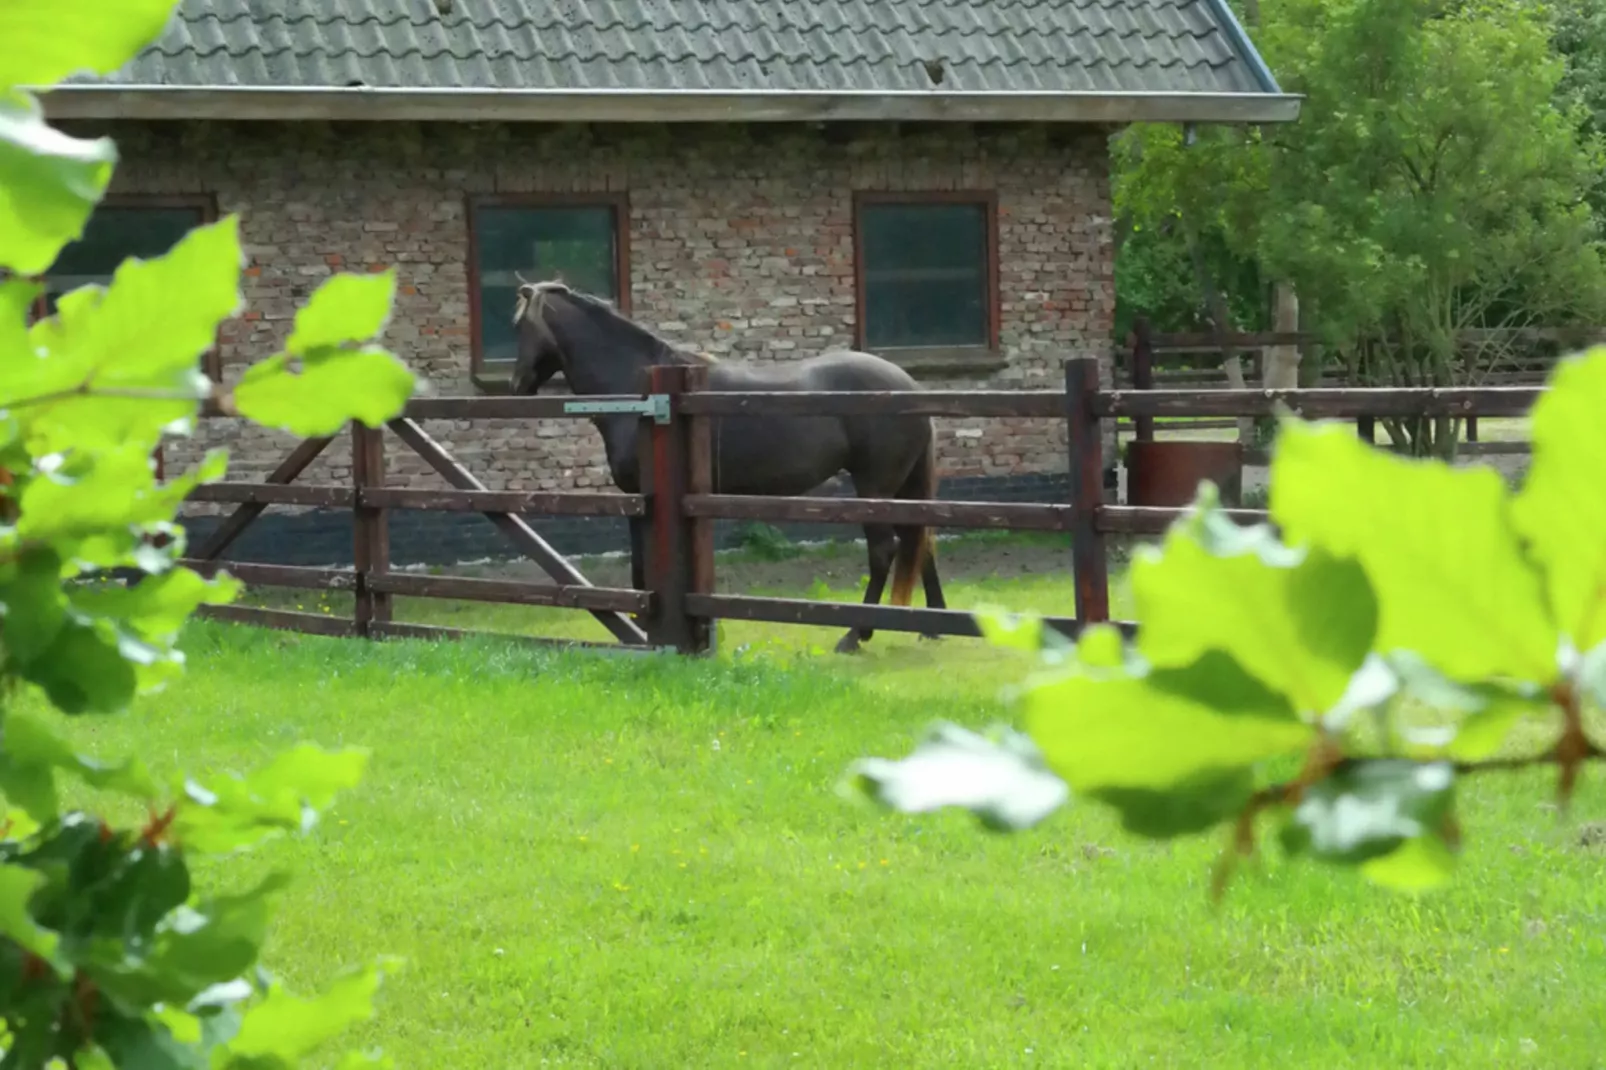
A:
x: 109, y: 953
x: 1399, y: 626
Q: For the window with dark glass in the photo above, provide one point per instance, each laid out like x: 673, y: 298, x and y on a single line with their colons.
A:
x: 924, y: 273
x: 117, y: 230
x: 578, y: 243
x: 113, y: 234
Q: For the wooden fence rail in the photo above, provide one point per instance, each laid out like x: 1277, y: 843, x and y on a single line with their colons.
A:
x: 679, y: 502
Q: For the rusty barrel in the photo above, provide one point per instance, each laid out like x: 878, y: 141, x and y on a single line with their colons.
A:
x: 1168, y: 473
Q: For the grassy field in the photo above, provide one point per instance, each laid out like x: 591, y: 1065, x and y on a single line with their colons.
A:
x: 641, y: 862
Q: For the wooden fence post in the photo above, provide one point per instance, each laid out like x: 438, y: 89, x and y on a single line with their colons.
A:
x: 672, y: 539
x: 700, y: 480
x: 370, y: 529
x: 1086, y: 441
x: 1142, y: 374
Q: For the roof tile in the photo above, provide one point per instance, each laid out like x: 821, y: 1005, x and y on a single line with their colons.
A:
x: 664, y: 45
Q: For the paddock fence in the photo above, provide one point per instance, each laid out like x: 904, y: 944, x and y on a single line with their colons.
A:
x: 678, y: 603
x: 1500, y: 356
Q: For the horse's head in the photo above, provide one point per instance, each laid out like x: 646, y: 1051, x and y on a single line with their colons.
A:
x: 540, y: 357
x: 598, y: 349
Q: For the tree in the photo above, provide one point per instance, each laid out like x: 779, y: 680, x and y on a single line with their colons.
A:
x: 1580, y: 37
x: 1339, y: 671
x: 1435, y: 182
x: 109, y: 953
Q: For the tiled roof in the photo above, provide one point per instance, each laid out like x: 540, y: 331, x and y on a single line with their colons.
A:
x: 1094, y: 46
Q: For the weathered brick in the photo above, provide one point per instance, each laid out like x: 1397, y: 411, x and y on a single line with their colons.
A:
x: 738, y: 245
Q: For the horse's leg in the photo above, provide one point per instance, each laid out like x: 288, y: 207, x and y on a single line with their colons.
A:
x: 933, y: 586
x: 881, y: 544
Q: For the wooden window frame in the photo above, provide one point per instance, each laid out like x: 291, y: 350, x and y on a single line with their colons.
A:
x: 618, y: 201
x: 206, y: 205
x: 954, y: 359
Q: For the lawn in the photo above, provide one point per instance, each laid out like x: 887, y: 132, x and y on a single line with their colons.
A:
x: 594, y: 861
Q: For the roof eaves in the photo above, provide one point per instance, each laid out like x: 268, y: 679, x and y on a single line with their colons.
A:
x: 361, y: 103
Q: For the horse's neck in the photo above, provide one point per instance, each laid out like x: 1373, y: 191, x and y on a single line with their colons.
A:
x: 625, y: 359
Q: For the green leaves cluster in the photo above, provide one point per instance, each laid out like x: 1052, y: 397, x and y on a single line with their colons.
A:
x: 109, y: 953
x: 1337, y: 671
x: 1439, y: 179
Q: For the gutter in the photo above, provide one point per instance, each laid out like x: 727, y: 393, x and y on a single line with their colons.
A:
x: 369, y: 104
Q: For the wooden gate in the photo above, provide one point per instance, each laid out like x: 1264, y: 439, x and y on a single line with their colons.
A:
x: 370, y: 578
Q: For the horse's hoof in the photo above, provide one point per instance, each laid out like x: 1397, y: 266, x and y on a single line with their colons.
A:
x: 928, y: 637
x: 848, y: 644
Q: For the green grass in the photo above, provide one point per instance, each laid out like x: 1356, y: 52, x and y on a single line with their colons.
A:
x: 896, y: 660
x: 640, y: 862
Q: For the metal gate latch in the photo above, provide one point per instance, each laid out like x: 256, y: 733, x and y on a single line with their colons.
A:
x: 654, y: 405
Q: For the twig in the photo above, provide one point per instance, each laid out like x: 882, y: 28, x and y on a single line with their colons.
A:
x: 1570, y: 752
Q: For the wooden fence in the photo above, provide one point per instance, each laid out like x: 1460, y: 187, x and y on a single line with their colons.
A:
x: 679, y: 602
x: 1150, y: 359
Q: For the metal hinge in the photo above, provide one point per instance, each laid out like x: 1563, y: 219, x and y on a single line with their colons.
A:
x: 654, y: 405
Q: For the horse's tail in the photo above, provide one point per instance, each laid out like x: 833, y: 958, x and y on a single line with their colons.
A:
x: 915, y: 543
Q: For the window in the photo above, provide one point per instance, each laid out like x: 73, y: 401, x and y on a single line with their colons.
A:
x: 927, y: 270
x: 581, y: 241
x: 119, y: 228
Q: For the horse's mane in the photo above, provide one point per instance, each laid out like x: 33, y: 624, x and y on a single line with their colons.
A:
x: 532, y: 299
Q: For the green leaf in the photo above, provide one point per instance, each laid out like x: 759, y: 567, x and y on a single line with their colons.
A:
x: 1561, y: 509
x: 1487, y: 711
x: 112, y: 491
x: 1482, y: 734
x: 84, y: 670
x: 1160, y: 728
x: 32, y: 755
x: 1002, y: 780
x: 346, y: 308
x: 49, y: 182
x: 138, y: 1044
x: 1367, y: 809
x: 1417, y: 865
x: 333, y: 386
x: 17, y: 886
x: 217, y: 941
x: 284, y: 796
x: 1102, y: 646
x: 1195, y: 804
x: 16, y: 299
x: 1017, y: 631
x: 47, y: 40
x: 282, y: 1029
x: 157, y: 608
x: 129, y: 354
x: 1436, y: 543
x: 1300, y: 621
x: 32, y: 608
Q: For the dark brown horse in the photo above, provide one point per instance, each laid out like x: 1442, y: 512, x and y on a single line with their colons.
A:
x: 601, y: 351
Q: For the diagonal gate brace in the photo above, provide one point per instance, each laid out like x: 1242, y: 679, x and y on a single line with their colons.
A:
x: 523, y: 536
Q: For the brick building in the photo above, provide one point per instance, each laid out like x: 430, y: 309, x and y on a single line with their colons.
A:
x: 926, y: 179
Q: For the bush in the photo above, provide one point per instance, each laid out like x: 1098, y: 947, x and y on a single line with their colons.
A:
x: 109, y: 953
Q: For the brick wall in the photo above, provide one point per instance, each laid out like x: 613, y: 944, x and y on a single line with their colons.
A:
x: 740, y: 243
